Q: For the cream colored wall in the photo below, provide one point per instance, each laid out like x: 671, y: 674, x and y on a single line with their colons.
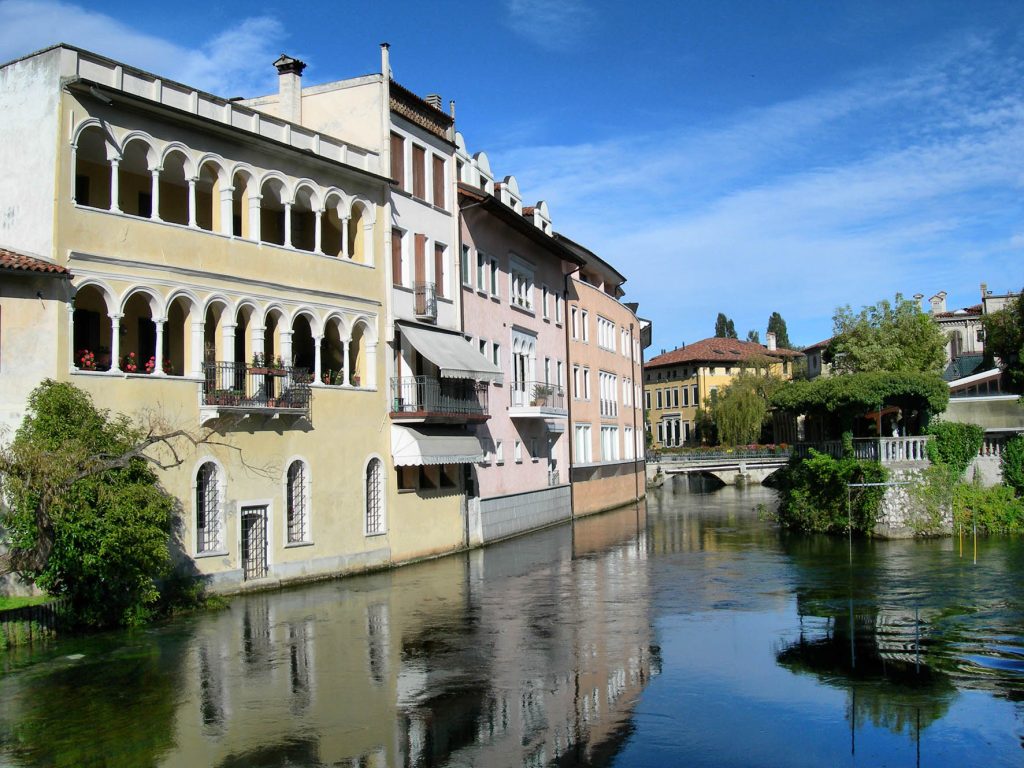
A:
x: 351, y: 112
x: 29, y: 305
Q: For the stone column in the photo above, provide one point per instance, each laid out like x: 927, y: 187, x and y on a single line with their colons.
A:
x: 254, y: 218
x: 192, y: 203
x: 154, y: 197
x: 115, y: 342
x: 158, y: 355
x: 114, y: 184
x: 227, y: 211
x: 288, y: 225
x: 344, y: 238
x: 347, y: 374
x: 229, y: 381
x: 286, y: 348
x: 318, y: 233
x: 198, y: 352
x: 317, y: 354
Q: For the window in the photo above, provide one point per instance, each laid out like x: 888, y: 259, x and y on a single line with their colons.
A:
x: 581, y: 443
x: 398, y: 160
x: 439, y: 280
x: 483, y: 347
x: 396, y: 256
x: 559, y: 370
x: 208, y: 508
x: 518, y: 452
x: 609, y: 443
x: 695, y: 398
x: 374, y: 497
x: 544, y: 296
x: 686, y: 396
x: 481, y: 271
x: 586, y: 383
x: 658, y: 393
x: 675, y: 397
x: 496, y: 354
x: 499, y: 452
x: 559, y: 309
x: 647, y: 399
x: 547, y: 370
x: 627, y: 392
x: 608, y: 387
x: 438, y: 178
x: 297, y: 502
x: 520, y: 285
x: 628, y: 444
x: 574, y: 316
x: 577, y: 382
x: 534, y: 450
x: 495, y: 284
x: 419, y: 172
x: 466, y: 267
x: 585, y: 324
x: 605, y: 334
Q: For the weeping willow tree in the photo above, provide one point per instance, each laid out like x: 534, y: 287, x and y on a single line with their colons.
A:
x: 741, y: 409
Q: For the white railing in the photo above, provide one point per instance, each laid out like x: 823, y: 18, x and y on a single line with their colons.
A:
x: 886, y: 450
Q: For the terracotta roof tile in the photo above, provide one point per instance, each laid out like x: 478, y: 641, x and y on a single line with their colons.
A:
x: 819, y: 345
x: 23, y: 263
x: 719, y: 350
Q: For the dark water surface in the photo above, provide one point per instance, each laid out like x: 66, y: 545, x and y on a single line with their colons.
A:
x: 687, y: 633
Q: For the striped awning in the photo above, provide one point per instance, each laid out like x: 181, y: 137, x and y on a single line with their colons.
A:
x: 451, y: 353
x: 412, y: 447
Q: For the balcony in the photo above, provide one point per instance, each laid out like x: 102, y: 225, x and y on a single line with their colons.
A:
x: 426, y: 300
x: 245, y: 389
x: 537, y: 400
x: 885, y: 450
x: 438, y: 401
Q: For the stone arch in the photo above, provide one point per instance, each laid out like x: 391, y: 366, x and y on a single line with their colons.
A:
x: 333, y: 226
x: 360, y: 231
x: 176, y: 179
x: 92, y: 329
x: 209, y: 491
x: 274, y: 194
x: 297, y: 481
x: 139, y: 160
x: 304, y: 212
x: 332, y: 351
x: 212, y: 181
x: 142, y: 312
x: 181, y: 354
x: 362, y: 353
x: 94, y: 149
x: 303, y: 352
x: 245, y: 192
x: 216, y: 313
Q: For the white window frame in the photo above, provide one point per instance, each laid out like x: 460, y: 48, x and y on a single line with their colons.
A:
x: 307, y: 496
x: 383, y: 524
x: 517, y: 452
x: 466, y: 267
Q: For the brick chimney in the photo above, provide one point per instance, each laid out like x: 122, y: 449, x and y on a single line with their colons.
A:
x: 289, y: 79
x: 769, y: 339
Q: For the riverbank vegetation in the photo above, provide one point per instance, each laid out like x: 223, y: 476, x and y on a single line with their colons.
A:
x: 86, y: 519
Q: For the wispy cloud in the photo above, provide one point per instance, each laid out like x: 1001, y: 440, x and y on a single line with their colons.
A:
x: 235, y: 61
x: 551, y: 24
x: 903, y: 181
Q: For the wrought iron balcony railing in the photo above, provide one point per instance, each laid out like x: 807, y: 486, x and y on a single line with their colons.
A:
x: 243, y: 387
x: 426, y: 300
x: 426, y: 396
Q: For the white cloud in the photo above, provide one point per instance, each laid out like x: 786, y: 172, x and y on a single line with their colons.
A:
x: 897, y: 182
x: 551, y: 24
x: 233, y: 62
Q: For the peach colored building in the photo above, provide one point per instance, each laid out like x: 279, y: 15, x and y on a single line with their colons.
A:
x: 605, y: 340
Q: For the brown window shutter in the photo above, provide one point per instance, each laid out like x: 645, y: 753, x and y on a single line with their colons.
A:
x: 419, y: 172
x: 396, y: 256
x: 398, y: 159
x: 439, y: 181
x: 439, y: 269
x: 421, y: 259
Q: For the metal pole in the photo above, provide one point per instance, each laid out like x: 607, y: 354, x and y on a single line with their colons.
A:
x: 917, y: 640
x: 975, y: 542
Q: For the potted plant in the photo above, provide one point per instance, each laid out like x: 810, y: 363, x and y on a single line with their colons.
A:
x: 129, y: 363
x: 86, y: 360
x: 541, y: 394
x: 355, y: 380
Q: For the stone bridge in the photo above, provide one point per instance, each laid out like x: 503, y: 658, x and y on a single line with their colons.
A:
x: 740, y: 468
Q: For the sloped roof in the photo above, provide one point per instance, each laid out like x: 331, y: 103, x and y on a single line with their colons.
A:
x: 974, y: 309
x: 819, y: 345
x: 21, y: 262
x: 719, y: 350
x: 965, y: 365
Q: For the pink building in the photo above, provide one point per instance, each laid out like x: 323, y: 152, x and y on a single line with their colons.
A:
x: 513, y: 277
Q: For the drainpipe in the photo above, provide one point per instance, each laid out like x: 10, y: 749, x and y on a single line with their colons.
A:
x: 632, y: 396
x: 569, y: 397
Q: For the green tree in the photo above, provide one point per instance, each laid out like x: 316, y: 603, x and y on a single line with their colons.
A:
x: 741, y: 409
x: 1004, y: 339
x: 754, y: 337
x: 893, y: 337
x: 777, y: 326
x: 724, y: 327
x: 85, y: 517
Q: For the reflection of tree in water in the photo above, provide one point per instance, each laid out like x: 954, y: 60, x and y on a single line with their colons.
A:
x: 66, y: 716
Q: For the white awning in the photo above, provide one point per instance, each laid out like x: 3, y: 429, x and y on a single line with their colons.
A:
x: 413, y: 447
x: 450, y: 352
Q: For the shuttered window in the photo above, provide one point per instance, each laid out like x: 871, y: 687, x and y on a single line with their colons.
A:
x: 396, y: 256
x: 439, y: 181
x: 398, y: 160
x: 419, y: 172
x: 420, y: 265
x: 439, y: 269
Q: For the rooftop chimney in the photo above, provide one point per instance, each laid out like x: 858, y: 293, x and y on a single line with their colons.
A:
x: 918, y: 298
x: 938, y: 302
x: 769, y: 339
x: 434, y: 100
x: 984, y: 290
x: 289, y: 80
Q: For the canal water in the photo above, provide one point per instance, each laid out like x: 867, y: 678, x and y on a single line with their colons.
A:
x: 684, y: 632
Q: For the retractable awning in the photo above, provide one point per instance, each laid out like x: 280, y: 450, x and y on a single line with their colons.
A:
x: 455, y: 356
x: 415, y: 447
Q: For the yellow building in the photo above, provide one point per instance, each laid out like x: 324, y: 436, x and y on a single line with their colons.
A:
x: 679, y: 382
x: 218, y: 266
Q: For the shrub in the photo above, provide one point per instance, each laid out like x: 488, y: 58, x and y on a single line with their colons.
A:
x: 995, y: 510
x: 1012, y: 464
x: 955, y: 445
x: 813, y: 494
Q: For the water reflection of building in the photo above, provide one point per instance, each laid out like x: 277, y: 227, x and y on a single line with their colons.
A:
x: 527, y: 652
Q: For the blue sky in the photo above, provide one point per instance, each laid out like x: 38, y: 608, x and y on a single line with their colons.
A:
x: 744, y: 157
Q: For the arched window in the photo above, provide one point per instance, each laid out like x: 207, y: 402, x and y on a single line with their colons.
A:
x: 208, y: 508
x: 374, y: 497
x: 297, y: 502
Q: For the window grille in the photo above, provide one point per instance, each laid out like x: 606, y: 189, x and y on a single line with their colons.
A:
x: 298, y: 506
x: 207, y: 509
x: 374, y: 497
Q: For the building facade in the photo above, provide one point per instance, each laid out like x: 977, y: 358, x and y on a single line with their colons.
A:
x: 679, y: 383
